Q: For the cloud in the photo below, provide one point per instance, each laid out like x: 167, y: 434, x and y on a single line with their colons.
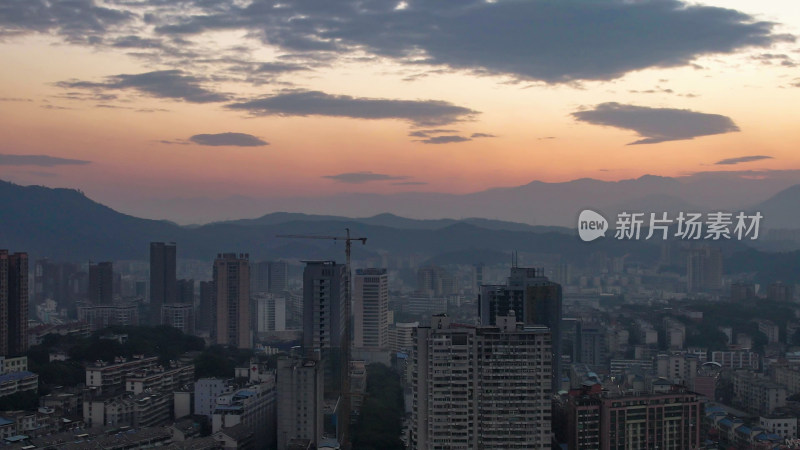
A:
x: 173, y: 84
x: 446, y: 139
x: 481, y: 135
x: 410, y: 183
x: 39, y: 160
x: 316, y: 103
x: 79, y: 21
x: 225, y: 139
x: 741, y: 159
x: 772, y: 58
x: 657, y: 124
x: 363, y: 177
x: 556, y: 42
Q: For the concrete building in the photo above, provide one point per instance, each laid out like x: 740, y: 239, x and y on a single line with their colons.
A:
x: 401, y: 336
x: 179, y: 315
x: 787, y: 375
x: 206, y: 391
x: 232, y: 300
x: 667, y: 420
x: 102, y: 316
x: 704, y: 269
x: 370, y: 309
x: 770, y: 329
x: 736, y: 359
x: 108, y: 378
x: 756, y: 394
x: 163, y: 278
x: 300, y: 400
x: 159, y: 378
x: 784, y: 426
x: 20, y: 381
x: 252, y: 406
x: 481, y: 387
x: 325, y: 321
x: 434, y: 281
x: 13, y: 303
x: 780, y: 292
x: 101, y: 283
x: 534, y: 299
x: 270, y: 312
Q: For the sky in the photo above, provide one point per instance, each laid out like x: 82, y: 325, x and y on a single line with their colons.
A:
x: 140, y: 101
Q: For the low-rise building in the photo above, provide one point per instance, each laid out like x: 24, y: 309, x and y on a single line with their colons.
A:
x: 756, y: 394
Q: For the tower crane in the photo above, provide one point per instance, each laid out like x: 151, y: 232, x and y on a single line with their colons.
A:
x: 346, y: 394
x: 347, y: 239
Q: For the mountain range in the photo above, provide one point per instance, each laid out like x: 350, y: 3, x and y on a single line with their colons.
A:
x: 536, y: 203
x: 64, y: 224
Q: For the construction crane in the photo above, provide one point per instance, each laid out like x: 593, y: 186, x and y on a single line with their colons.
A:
x: 347, y: 239
x: 346, y: 394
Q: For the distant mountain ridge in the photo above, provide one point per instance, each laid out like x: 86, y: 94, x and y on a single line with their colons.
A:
x: 64, y: 224
x: 536, y: 203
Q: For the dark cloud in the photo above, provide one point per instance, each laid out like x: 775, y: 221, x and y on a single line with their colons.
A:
x: 481, y: 135
x: 133, y: 41
x: 555, y: 42
x: 741, y: 159
x: 39, y: 160
x: 174, y: 84
x: 315, y: 103
x: 364, y: 177
x: 79, y: 21
x: 410, y: 183
x: 445, y: 139
x: 775, y: 58
x: 228, y: 139
x: 657, y: 124
x: 279, y: 67
x: 429, y: 132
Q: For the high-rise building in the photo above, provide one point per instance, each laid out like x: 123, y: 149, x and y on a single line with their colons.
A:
x: 434, y: 281
x: 269, y: 276
x: 325, y: 320
x: 13, y: 303
x: 206, y: 310
x: 179, y: 315
x: 185, y: 291
x: 101, y: 283
x: 300, y: 400
x: 704, y: 269
x: 232, y: 300
x: 278, y: 276
x: 668, y: 420
x: 370, y: 309
x: 163, y: 278
x: 534, y: 299
x: 481, y: 387
x: 270, y: 312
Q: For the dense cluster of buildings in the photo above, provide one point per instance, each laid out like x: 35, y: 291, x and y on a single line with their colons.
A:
x: 514, y: 359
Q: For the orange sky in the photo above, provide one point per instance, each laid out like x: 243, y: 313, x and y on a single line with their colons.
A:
x: 536, y: 138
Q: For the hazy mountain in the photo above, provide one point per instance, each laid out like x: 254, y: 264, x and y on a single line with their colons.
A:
x: 64, y: 224
x: 393, y: 221
x: 535, y: 203
x: 781, y: 210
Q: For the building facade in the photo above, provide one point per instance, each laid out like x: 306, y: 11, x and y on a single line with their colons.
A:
x: 370, y: 309
x: 481, y: 387
x: 232, y: 300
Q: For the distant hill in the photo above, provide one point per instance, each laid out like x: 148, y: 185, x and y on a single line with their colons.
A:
x: 394, y: 221
x: 64, y: 224
x: 781, y: 210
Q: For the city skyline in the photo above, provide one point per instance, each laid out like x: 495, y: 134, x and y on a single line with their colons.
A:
x: 137, y: 103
